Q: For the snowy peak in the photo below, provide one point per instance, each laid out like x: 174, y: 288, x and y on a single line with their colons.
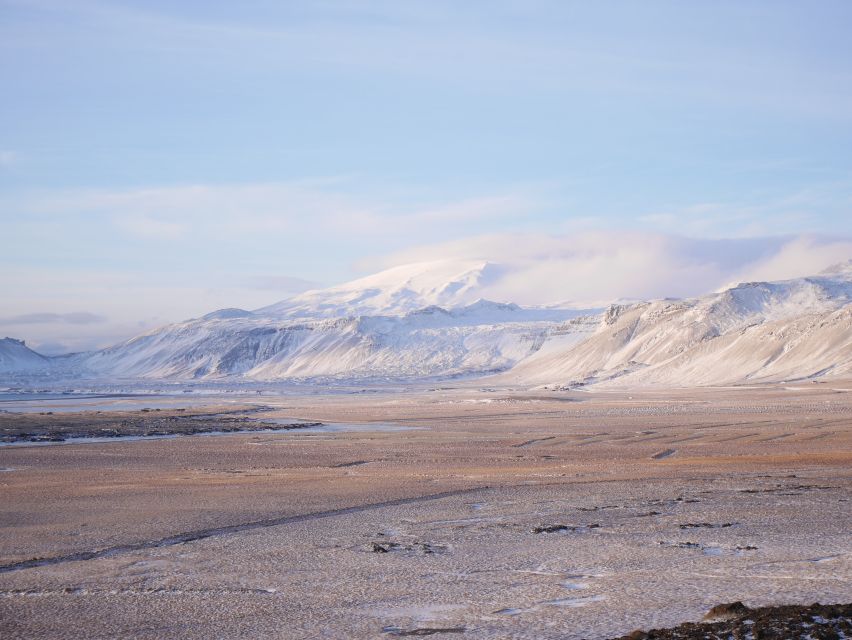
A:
x: 15, y: 355
x: 395, y: 291
x: 227, y: 314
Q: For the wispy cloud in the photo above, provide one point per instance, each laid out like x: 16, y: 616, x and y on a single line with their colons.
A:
x: 792, y: 212
x: 224, y: 211
x: 345, y: 208
x: 501, y: 49
x: 149, y: 227
x: 75, y: 317
x: 803, y: 255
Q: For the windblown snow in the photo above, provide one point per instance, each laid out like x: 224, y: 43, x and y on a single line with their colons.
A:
x: 428, y: 320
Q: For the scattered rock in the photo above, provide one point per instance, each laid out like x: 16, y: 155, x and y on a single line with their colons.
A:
x: 355, y: 463
x: 419, y: 548
x: 726, y: 611
x: 666, y: 453
x: 736, y: 620
x: 552, y: 528
x: 49, y: 437
x: 555, y: 528
x: 423, y: 631
x: 682, y: 545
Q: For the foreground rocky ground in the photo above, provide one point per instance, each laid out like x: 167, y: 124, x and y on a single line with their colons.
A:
x: 735, y: 620
x: 505, y: 515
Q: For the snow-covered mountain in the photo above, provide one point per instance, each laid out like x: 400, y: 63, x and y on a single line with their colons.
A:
x: 395, y: 291
x: 755, y: 331
x: 426, y: 320
x: 474, y: 339
x: 15, y: 355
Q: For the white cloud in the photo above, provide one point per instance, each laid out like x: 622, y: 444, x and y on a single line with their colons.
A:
x: 717, y: 219
x: 597, y: 267
x: 802, y: 256
x: 300, y: 208
x: 74, y: 317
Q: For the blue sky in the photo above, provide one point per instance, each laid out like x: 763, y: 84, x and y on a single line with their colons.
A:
x: 159, y: 159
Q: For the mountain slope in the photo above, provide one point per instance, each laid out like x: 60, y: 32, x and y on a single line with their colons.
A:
x: 476, y: 339
x: 752, y: 332
x: 15, y: 355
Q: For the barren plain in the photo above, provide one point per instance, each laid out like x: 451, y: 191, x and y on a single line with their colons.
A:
x: 492, y: 514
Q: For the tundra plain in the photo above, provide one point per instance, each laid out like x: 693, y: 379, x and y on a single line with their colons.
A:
x: 493, y: 514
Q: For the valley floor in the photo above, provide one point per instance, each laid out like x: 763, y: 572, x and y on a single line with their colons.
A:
x: 501, y: 515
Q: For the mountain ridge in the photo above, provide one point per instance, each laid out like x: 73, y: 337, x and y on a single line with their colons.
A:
x: 15, y: 355
x: 389, y: 327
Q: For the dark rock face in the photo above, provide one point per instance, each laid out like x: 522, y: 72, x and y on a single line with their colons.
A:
x: 735, y: 620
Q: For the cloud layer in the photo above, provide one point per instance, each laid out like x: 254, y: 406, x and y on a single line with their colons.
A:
x: 75, y: 317
x: 597, y: 267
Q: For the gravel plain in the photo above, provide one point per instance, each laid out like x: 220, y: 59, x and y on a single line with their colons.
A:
x: 504, y: 514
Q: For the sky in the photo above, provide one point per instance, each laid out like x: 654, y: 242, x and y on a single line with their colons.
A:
x: 162, y: 159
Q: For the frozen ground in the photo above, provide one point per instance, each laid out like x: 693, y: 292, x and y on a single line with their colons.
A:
x: 506, y: 516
